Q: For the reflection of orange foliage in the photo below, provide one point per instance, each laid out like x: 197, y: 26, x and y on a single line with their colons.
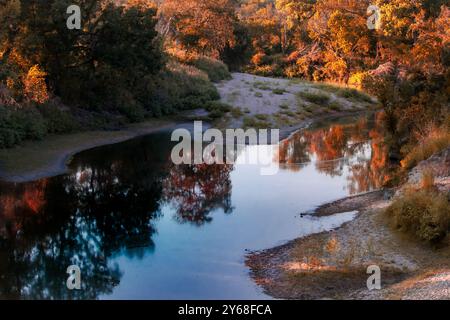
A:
x: 30, y: 198
x: 25, y: 200
x: 341, y: 143
x: 328, y: 144
x: 372, y: 174
x: 35, y: 198
x: 195, y: 190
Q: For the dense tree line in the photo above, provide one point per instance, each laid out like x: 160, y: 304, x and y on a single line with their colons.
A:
x: 111, y: 71
x: 404, y: 61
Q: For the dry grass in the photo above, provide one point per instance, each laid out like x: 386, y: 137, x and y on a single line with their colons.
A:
x: 436, y: 140
x: 427, y: 181
x: 421, y: 213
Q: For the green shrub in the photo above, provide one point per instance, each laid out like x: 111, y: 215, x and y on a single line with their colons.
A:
x: 261, y: 116
x: 315, y: 97
x: 236, y: 113
x: 335, y: 106
x: 262, y: 85
x: 309, y: 109
x: 279, y: 91
x: 57, y: 120
x: 424, y: 214
x: 218, y: 105
x: 354, y: 94
x: 180, y: 87
x: 288, y: 113
x: 250, y: 122
x: 215, y: 69
x: 215, y: 114
x: 17, y: 125
x: 133, y: 111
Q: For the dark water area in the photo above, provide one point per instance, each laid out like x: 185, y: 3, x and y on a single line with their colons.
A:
x: 140, y: 227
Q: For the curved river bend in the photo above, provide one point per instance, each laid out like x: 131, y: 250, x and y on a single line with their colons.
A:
x: 141, y: 228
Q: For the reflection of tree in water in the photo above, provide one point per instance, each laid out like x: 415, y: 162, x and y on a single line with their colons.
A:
x: 106, y: 207
x: 83, y: 218
x: 196, y: 190
x: 375, y: 172
x: 358, y: 145
x: 39, y: 243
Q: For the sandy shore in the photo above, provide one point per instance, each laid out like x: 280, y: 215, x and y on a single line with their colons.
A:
x: 281, y: 103
x: 333, y: 265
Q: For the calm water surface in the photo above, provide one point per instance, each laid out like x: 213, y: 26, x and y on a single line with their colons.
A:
x: 142, y: 228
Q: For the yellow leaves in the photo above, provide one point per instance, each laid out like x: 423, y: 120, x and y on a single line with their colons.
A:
x: 357, y: 78
x: 397, y: 16
x: 349, y: 32
x: 35, y: 87
x: 16, y: 58
x: 9, y: 83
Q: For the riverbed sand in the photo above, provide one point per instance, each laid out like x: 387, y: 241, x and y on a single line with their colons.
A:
x: 333, y: 265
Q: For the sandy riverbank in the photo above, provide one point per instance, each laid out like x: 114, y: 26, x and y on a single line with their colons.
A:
x: 333, y: 265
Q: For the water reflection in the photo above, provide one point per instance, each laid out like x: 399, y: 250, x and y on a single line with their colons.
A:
x: 110, y: 203
x: 105, y: 207
x: 358, y: 145
x: 196, y: 190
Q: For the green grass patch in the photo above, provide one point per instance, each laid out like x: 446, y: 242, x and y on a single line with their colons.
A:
x: 279, y: 91
x: 218, y: 106
x: 288, y: 113
x: 309, y: 109
x: 296, y: 81
x: 251, y: 122
x: 318, y: 98
x: 262, y: 85
x: 335, y: 106
x: 347, y: 93
x: 354, y: 94
x: 327, y: 87
x: 237, y: 113
x: 262, y: 117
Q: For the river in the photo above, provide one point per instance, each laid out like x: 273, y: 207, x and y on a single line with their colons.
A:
x: 140, y: 227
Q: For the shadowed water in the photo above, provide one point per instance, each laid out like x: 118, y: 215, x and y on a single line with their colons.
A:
x: 141, y: 228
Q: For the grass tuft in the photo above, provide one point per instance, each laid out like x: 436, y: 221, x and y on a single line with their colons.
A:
x: 318, y: 98
x: 423, y: 214
x: 437, y: 140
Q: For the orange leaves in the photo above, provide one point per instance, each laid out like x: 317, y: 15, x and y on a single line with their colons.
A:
x: 35, y: 87
x: 205, y: 26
